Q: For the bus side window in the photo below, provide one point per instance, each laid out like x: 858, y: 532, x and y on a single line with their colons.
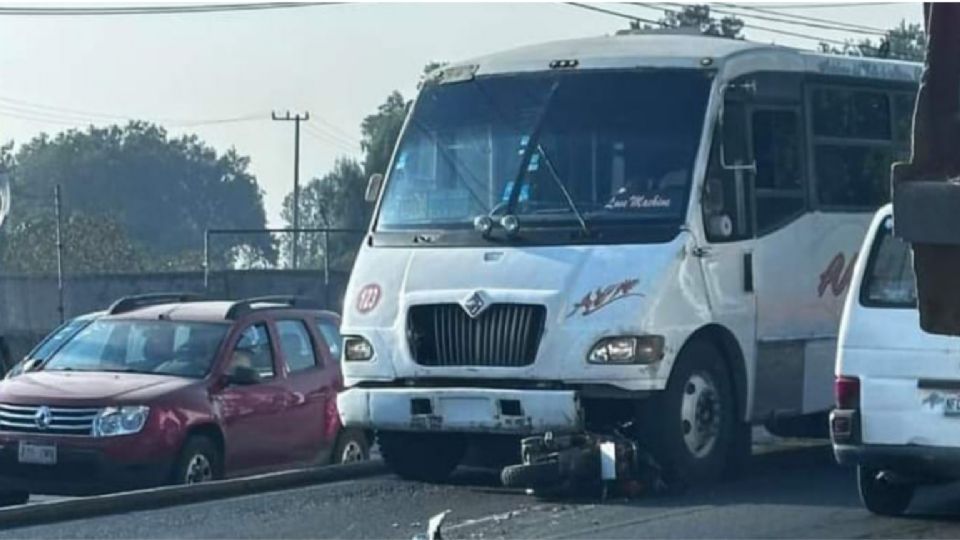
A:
x: 779, y: 186
x: 725, y: 201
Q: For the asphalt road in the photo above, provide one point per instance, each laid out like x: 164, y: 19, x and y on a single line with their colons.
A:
x: 787, y: 493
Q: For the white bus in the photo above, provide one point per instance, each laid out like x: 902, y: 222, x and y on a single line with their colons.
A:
x: 644, y: 233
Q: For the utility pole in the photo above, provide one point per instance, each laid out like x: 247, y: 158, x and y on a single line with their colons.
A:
x: 296, y: 119
x: 57, y: 209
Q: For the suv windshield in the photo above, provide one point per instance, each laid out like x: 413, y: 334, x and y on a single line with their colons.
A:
x: 623, y: 143
x: 184, y: 349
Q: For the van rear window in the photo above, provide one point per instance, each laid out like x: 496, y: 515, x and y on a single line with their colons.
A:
x: 889, y: 279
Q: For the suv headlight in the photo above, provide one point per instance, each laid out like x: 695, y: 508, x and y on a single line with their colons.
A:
x: 627, y: 350
x: 125, y: 420
x: 357, y: 349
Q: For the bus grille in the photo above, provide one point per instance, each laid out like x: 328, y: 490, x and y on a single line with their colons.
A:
x: 505, y: 335
x: 58, y: 421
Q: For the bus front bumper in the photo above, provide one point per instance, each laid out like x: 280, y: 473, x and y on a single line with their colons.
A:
x: 466, y: 410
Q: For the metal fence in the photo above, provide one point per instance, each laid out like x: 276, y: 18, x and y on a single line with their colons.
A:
x: 322, y: 249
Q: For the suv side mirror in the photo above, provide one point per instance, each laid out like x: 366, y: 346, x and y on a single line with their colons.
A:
x: 373, y: 187
x: 243, y: 376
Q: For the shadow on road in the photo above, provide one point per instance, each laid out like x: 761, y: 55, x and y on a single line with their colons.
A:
x: 805, y: 476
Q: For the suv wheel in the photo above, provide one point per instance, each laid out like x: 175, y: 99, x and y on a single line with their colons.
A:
x: 426, y: 457
x: 352, y: 447
x: 881, y: 496
x: 199, y: 461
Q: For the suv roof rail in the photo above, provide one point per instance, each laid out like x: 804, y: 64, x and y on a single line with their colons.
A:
x: 130, y: 303
x: 285, y: 301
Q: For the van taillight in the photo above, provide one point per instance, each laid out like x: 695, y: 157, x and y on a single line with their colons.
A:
x: 846, y: 392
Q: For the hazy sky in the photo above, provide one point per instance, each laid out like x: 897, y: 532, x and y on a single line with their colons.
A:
x: 336, y: 61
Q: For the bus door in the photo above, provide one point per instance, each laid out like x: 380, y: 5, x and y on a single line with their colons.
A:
x: 785, y: 268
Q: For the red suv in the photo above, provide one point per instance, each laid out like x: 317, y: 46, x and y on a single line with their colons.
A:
x: 167, y: 389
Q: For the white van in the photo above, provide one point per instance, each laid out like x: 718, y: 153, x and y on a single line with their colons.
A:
x: 897, y: 387
x: 649, y: 234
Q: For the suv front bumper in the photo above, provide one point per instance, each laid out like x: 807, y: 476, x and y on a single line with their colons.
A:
x: 466, y: 410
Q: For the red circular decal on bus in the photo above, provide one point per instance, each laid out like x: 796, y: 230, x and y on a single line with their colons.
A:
x: 368, y: 298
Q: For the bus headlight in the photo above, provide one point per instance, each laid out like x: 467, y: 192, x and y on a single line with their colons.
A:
x: 357, y: 349
x: 627, y: 350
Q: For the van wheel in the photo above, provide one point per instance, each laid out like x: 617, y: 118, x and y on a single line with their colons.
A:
x: 199, y: 461
x: 690, y: 426
x: 352, y: 447
x: 880, y: 496
x: 425, y: 457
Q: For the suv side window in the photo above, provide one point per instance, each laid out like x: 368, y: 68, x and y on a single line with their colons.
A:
x: 331, y: 334
x: 296, y: 345
x: 253, y: 350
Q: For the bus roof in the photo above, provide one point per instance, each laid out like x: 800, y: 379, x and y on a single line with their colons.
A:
x: 732, y: 56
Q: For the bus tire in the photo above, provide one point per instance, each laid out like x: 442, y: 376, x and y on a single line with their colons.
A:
x: 424, y: 457
x: 690, y: 427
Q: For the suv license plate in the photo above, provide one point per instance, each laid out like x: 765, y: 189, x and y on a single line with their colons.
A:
x: 39, y: 454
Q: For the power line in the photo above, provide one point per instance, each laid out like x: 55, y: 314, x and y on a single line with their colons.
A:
x: 331, y: 137
x: 65, y: 115
x: 806, y: 18
x: 789, y: 33
x: 157, y: 9
x: 327, y: 139
x: 788, y: 19
x: 824, y: 5
x: 837, y: 27
x: 336, y: 128
x: 620, y: 14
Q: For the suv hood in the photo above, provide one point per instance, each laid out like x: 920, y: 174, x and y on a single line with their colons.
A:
x: 88, y: 388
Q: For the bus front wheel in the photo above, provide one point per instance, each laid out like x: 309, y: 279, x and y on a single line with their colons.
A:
x: 690, y: 427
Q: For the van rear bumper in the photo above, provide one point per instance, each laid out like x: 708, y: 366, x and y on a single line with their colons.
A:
x: 929, y: 461
x: 466, y: 410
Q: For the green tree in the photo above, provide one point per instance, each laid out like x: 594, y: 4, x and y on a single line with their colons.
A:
x: 163, y: 192
x: 380, y: 131
x: 332, y: 201
x: 91, y: 244
x: 903, y: 42
x: 696, y: 18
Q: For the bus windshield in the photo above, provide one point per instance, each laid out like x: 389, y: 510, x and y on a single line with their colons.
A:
x: 623, y: 143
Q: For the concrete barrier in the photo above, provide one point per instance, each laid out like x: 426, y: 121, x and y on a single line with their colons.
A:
x: 115, y: 503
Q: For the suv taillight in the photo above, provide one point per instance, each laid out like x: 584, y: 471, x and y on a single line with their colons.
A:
x: 846, y: 392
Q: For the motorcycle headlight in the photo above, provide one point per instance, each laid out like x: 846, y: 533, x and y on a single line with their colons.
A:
x: 627, y: 350
x: 126, y: 420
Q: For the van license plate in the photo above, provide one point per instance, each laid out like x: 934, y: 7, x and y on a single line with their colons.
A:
x: 951, y: 406
x: 38, y: 454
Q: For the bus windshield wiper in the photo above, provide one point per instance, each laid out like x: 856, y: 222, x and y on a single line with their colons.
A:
x: 564, y: 190
x: 531, y: 145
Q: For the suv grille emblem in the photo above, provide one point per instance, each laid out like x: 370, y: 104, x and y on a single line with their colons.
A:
x: 474, y: 304
x: 43, y: 418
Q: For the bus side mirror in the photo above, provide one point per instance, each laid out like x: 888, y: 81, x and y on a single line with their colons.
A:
x: 373, y: 187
